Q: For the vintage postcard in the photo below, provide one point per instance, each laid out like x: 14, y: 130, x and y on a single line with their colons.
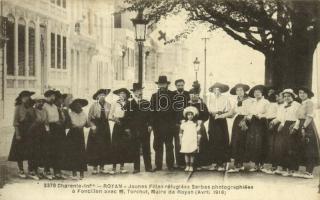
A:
x: 159, y: 99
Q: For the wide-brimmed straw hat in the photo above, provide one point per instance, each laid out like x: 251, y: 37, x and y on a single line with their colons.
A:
x: 118, y: 91
x: 26, y: 93
x: 223, y: 87
x: 306, y: 90
x: 262, y: 88
x: 59, y: 95
x: 239, y: 85
x: 191, y: 109
x: 50, y: 92
x: 101, y: 92
x: 81, y: 102
x: 289, y: 91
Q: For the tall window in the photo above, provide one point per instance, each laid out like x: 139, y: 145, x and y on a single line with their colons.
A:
x: 64, y: 55
x: 64, y: 3
x: 117, y: 20
x: 31, y: 49
x: 53, y: 52
x: 58, y: 51
x: 59, y: 2
x: 21, y: 47
x: 10, y: 46
x: 101, y: 31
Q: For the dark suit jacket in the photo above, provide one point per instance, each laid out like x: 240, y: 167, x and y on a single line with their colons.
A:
x: 162, y: 114
x: 140, y: 115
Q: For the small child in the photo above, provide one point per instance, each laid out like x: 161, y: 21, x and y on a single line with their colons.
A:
x: 189, y: 136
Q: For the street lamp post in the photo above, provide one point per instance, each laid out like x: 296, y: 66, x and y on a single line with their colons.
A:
x: 196, y: 64
x: 140, y: 25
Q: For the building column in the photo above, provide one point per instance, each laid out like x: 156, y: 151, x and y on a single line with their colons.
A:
x: 48, y: 54
x: 37, y: 55
x: 2, y: 84
x: 16, y: 67
x: 81, y: 87
x: 26, y: 55
x: 317, y: 66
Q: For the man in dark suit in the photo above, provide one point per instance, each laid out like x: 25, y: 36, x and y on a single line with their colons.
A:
x: 140, y: 110
x: 162, y: 123
x: 180, y: 101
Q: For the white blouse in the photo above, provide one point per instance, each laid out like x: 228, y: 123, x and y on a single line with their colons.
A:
x: 289, y: 113
x: 306, y: 109
x: 272, y: 110
x: 219, y: 104
x: 259, y: 107
x: 244, y: 109
x: 52, y: 112
x: 78, y: 119
x: 117, y: 110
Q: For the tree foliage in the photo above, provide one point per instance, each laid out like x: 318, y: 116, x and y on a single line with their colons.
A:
x: 262, y: 25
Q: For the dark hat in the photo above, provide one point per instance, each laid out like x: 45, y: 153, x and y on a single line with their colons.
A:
x: 101, y: 91
x: 59, y: 95
x: 118, y: 91
x: 195, y: 88
x: 179, y: 80
x: 82, y: 102
x: 306, y: 90
x: 136, y: 86
x: 262, y: 88
x: 239, y: 85
x: 271, y: 87
x: 196, y: 84
x: 223, y: 88
x: 25, y: 93
x: 162, y: 79
x: 49, y: 93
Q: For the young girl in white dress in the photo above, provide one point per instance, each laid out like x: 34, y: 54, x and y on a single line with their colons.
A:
x: 189, y: 136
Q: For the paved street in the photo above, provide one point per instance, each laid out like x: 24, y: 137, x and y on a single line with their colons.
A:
x: 267, y: 185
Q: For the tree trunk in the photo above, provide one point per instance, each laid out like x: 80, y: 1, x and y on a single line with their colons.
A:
x: 290, y: 64
x: 289, y: 69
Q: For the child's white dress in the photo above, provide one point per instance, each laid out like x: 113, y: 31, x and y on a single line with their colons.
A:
x: 189, y: 142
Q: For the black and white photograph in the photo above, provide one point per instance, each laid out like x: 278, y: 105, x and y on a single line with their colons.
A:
x: 159, y: 99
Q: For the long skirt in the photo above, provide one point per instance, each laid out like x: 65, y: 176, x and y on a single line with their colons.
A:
x: 58, y: 136
x: 238, y: 141
x: 19, y: 150
x: 75, y: 151
x: 98, y: 150
x: 34, y: 144
x: 123, y: 144
x: 311, y: 145
x: 273, y: 138
x: 47, y: 148
x: 292, y: 147
x: 219, y: 140
x: 203, y: 157
x: 255, y: 140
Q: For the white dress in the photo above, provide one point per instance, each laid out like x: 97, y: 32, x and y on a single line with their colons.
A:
x: 189, y: 142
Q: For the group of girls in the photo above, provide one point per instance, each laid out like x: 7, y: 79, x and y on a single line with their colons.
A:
x: 270, y: 127
x: 49, y: 134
